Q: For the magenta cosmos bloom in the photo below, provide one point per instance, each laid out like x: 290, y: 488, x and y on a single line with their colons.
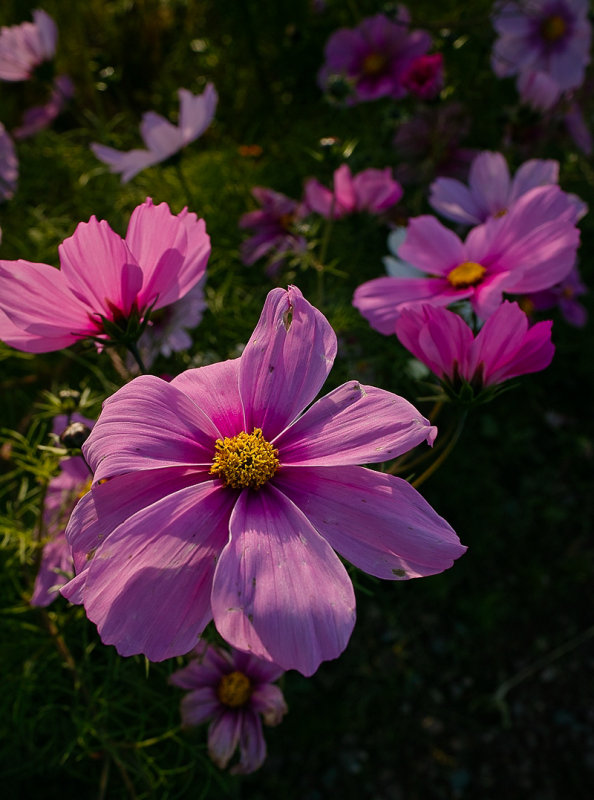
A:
x: 373, y: 57
x: 236, y: 691
x: 63, y: 492
x: 24, y: 47
x: 504, y: 348
x: 532, y: 247
x: 424, y: 77
x: 214, y: 498
x: 162, y: 138
x: 372, y: 190
x: 491, y: 191
x: 547, y: 36
x: 273, y: 226
x: 102, y: 276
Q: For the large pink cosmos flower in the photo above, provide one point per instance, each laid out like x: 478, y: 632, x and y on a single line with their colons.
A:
x: 491, y: 191
x: 273, y: 228
x: 102, y: 276
x: 504, y: 348
x: 543, y: 36
x: 214, y: 498
x: 236, y: 691
x: 162, y: 138
x: 24, y: 47
x: 372, y: 190
x: 373, y: 57
x: 532, y: 247
x: 63, y: 492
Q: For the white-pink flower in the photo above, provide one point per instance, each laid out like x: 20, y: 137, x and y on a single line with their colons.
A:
x: 24, y: 47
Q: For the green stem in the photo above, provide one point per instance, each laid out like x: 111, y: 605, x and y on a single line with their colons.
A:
x: 184, y: 184
x: 443, y: 455
x: 137, y: 357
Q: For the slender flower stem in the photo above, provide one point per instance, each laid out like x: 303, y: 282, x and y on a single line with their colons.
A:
x: 443, y: 455
x: 137, y: 357
x: 184, y: 184
x: 323, y: 253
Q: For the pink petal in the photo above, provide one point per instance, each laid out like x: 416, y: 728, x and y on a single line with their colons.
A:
x: 99, y: 269
x: 489, y: 182
x: 279, y: 590
x: 268, y: 700
x: 436, y: 337
x: 147, y: 424
x: 56, y: 560
x: 223, y: 736
x: 214, y: 388
x: 285, y: 362
x: 431, y: 247
x: 129, y: 163
x: 196, y: 112
x: 160, y: 136
x: 148, y: 585
x: 199, y: 705
x: 354, y: 424
x: 320, y: 199
x: 344, y: 191
x: 376, y: 521
x: 453, y: 200
x: 252, y: 747
x: 536, y: 172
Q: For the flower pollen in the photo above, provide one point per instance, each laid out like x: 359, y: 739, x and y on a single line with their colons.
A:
x: 469, y: 273
x: 245, y: 461
x: 373, y: 64
x: 234, y: 689
x: 553, y: 28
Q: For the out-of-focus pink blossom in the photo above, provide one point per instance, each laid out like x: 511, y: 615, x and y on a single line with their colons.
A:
x: 577, y: 128
x: 241, y: 500
x: 424, y: 77
x: 9, y: 165
x: 563, y: 295
x: 491, y: 191
x: 504, y: 348
x: 543, y: 36
x: 103, y: 279
x: 39, y: 117
x: 538, y: 90
x: 533, y: 247
x: 162, y: 138
x: 273, y: 226
x: 373, y: 57
x: 24, y: 47
x: 237, y: 692
x: 372, y: 190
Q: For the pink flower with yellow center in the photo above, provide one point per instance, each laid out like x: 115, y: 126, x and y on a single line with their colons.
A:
x: 217, y: 497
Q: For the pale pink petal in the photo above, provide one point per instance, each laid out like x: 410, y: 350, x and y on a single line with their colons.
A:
x: 148, y: 585
x: 431, y: 247
x: 196, y: 112
x: 223, y: 737
x: 489, y: 182
x: 279, y: 590
x: 320, y: 199
x: 198, y: 250
x: 435, y: 336
x: 160, y: 136
x: 13, y: 336
x: 376, y: 521
x: 99, y: 268
x: 199, y: 705
x: 47, y: 34
x: 453, y: 200
x: 214, y: 388
x: 268, y: 700
x: 129, y: 163
x: 344, y: 191
x: 55, y: 561
x: 376, y: 190
x: 252, y: 747
x: 285, y: 362
x: 354, y: 424
x: 535, y: 353
x: 148, y: 424
x: 533, y: 173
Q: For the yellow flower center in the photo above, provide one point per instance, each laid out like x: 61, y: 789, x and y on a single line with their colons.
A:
x: 245, y: 461
x: 85, y: 489
x: 234, y: 689
x: 373, y: 64
x: 466, y: 274
x: 553, y: 28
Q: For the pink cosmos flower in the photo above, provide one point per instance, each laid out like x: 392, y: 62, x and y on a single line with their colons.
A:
x: 373, y: 57
x: 577, y: 128
x: 372, y: 190
x: 424, y: 76
x: 63, y: 492
x: 24, y: 47
x: 538, y: 90
x: 504, y: 348
x: 39, y: 117
x: 547, y: 36
x: 491, y: 192
x: 9, y: 165
x: 273, y: 228
x: 532, y: 247
x: 102, y: 276
x: 565, y: 296
x: 236, y: 691
x: 215, y: 497
x: 162, y: 138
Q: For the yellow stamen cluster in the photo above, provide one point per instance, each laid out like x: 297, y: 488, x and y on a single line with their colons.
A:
x: 234, y: 689
x: 86, y: 488
x: 373, y: 64
x: 553, y: 28
x: 245, y: 461
x: 466, y: 274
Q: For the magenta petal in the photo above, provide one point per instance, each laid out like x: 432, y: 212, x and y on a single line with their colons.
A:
x: 223, y: 737
x: 168, y: 430
x: 214, y: 388
x: 99, y: 268
x: 129, y: 163
x: 489, y: 182
x: 452, y: 199
x: 285, y: 362
x: 56, y: 561
x: 279, y: 590
x: 252, y: 747
x: 376, y: 521
x: 199, y: 705
x: 267, y: 699
x: 354, y: 424
x: 431, y: 247
x: 148, y: 586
